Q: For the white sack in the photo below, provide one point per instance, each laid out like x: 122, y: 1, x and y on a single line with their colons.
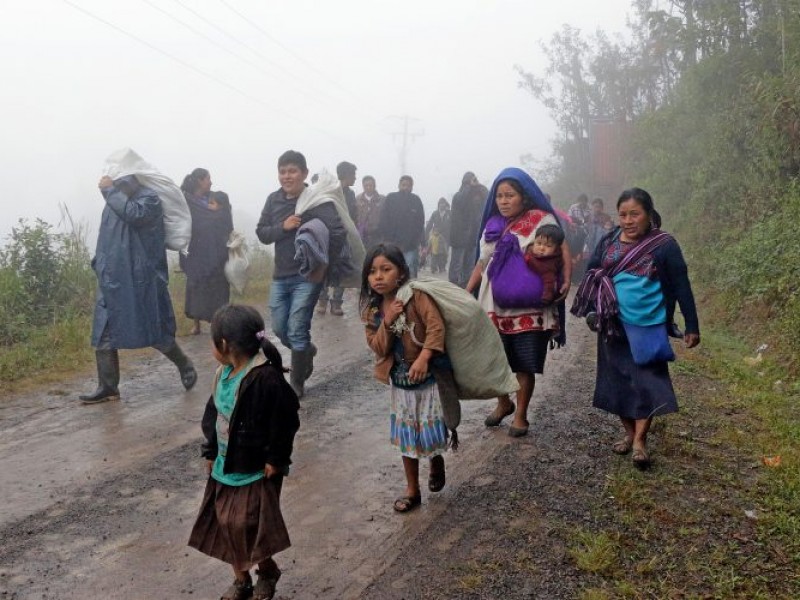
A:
x: 177, y: 218
x: 329, y: 189
x: 471, y: 340
x: 236, y: 267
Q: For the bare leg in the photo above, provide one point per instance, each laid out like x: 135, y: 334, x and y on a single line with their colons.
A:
x: 624, y: 445
x: 641, y: 427
x: 196, y: 329
x: 527, y: 381
x: 504, y: 408
x: 640, y: 456
x: 411, y: 468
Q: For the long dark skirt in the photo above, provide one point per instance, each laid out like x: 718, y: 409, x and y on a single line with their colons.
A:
x: 526, y: 351
x: 624, y: 388
x: 204, y: 295
x: 241, y: 525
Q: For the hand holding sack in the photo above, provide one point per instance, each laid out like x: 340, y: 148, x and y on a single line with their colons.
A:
x: 177, y: 218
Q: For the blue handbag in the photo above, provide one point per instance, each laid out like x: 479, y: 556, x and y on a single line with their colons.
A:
x: 649, y: 343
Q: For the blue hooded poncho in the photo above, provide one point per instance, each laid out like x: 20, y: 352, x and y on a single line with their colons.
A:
x: 534, y: 198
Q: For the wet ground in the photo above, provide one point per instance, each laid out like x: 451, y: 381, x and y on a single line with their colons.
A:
x: 98, y: 501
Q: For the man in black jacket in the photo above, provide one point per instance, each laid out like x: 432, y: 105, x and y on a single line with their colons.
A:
x: 403, y: 222
x: 465, y: 221
x: 292, y: 297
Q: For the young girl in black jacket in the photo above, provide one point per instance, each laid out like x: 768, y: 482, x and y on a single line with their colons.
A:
x: 249, y: 423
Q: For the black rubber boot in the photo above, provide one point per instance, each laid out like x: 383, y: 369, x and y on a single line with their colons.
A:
x: 301, y: 367
x: 312, y: 352
x: 107, y: 378
x: 185, y: 366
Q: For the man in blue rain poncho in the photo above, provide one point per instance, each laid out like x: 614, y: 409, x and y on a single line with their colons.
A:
x: 133, y: 308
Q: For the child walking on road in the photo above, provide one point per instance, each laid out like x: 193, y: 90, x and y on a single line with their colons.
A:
x: 249, y: 424
x: 408, y: 340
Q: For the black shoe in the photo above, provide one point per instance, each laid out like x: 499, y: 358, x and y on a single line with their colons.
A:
x: 100, y: 395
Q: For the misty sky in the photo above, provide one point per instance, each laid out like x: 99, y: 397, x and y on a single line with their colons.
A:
x: 232, y: 98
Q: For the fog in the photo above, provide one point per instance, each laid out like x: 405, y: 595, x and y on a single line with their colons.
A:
x: 230, y: 84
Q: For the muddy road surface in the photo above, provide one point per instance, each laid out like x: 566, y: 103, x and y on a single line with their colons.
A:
x: 98, y: 501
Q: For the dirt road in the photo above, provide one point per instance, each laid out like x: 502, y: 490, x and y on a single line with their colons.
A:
x: 98, y: 501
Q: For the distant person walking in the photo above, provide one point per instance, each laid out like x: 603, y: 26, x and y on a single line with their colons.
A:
x: 580, y: 215
x: 438, y: 233
x: 403, y: 222
x: 642, y: 274
x: 207, y: 288
x: 465, y: 221
x: 133, y: 308
x: 370, y: 205
x: 346, y: 172
x: 599, y: 225
x: 292, y: 296
x: 249, y: 424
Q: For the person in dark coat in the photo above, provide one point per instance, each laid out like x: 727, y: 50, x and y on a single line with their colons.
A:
x: 403, y: 222
x: 346, y: 172
x: 465, y: 221
x: 133, y: 308
x: 207, y: 288
x: 370, y: 204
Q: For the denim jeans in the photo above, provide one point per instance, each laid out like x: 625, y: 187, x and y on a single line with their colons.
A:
x: 412, y: 259
x: 291, y: 304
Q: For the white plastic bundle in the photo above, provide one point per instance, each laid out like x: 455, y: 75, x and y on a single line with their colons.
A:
x: 236, y: 267
x: 177, y: 218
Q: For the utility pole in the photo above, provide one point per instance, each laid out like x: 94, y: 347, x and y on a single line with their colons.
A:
x: 408, y: 133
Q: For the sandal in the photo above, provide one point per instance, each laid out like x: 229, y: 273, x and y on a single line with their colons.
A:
x: 493, y: 420
x: 406, y: 504
x: 264, y: 588
x: 622, y: 446
x: 641, y: 459
x: 239, y: 590
x: 437, y: 477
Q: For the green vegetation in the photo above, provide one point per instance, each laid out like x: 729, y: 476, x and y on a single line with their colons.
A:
x: 717, y: 516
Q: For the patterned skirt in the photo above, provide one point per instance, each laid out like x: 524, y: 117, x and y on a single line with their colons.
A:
x: 416, y: 423
x: 241, y: 525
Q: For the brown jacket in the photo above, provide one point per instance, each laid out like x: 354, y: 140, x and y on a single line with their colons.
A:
x: 427, y: 328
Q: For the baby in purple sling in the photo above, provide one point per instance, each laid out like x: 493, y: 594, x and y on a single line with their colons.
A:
x: 543, y: 257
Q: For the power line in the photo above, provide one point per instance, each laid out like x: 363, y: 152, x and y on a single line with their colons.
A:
x: 286, y: 48
x: 195, y: 69
x: 263, y: 57
x: 211, y: 40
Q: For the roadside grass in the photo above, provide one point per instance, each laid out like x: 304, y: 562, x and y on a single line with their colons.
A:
x: 718, y: 515
x: 63, y: 348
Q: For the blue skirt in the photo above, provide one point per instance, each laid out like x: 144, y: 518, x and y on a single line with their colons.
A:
x: 526, y: 351
x: 628, y: 390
